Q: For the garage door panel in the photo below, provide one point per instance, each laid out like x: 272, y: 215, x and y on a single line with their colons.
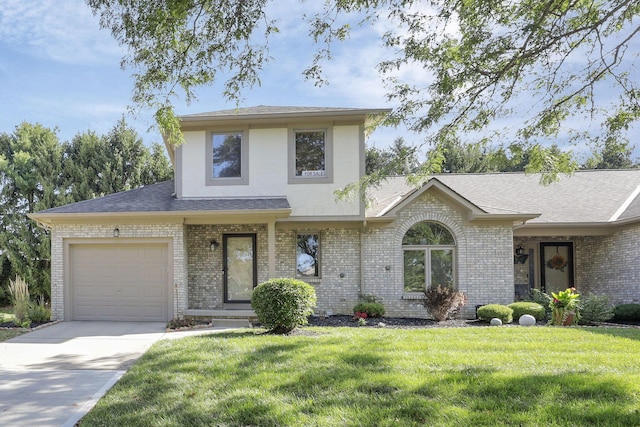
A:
x: 126, y: 282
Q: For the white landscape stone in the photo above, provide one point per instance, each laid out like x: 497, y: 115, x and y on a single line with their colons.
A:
x: 527, y: 320
x: 496, y: 322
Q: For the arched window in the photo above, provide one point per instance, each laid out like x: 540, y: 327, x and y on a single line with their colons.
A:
x: 428, y: 256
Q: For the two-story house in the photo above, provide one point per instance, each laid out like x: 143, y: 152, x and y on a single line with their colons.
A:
x: 253, y: 198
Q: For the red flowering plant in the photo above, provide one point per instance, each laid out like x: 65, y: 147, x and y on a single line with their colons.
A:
x: 564, y: 306
x: 360, y: 317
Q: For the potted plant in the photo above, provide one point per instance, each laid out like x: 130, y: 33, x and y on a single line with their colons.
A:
x: 564, y: 307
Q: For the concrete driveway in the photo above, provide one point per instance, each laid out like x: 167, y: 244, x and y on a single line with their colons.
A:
x: 53, y: 376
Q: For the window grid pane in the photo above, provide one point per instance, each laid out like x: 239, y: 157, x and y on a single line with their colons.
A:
x: 310, y: 147
x: 441, y: 267
x: 227, y: 155
x: 414, y: 270
x: 308, y: 255
x: 428, y: 233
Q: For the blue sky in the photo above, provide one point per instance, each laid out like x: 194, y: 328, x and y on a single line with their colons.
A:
x: 57, y: 68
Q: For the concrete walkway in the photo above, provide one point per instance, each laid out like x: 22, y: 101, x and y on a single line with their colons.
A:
x: 53, y: 376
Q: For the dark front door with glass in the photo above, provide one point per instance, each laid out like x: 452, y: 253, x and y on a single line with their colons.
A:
x: 240, y: 267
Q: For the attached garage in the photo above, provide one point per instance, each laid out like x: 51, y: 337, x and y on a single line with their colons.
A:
x: 119, y: 282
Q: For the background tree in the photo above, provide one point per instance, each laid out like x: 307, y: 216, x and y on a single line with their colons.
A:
x: 30, y: 177
x: 613, y: 154
x: 38, y: 172
x: 398, y: 159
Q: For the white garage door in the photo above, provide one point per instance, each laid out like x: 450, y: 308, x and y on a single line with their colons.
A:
x: 124, y: 282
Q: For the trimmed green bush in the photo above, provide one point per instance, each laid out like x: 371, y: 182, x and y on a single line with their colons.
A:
x: 527, y: 307
x: 283, y: 304
x: 490, y: 311
x: 372, y: 309
x: 595, y: 308
x: 627, y: 312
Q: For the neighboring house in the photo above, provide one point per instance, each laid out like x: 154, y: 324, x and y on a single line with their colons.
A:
x: 253, y: 198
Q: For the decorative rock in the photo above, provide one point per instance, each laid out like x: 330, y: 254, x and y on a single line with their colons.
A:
x: 496, y: 322
x: 527, y: 320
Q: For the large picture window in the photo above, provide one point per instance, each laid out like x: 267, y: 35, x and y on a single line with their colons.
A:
x: 227, y: 159
x: 428, y: 257
x: 308, y: 255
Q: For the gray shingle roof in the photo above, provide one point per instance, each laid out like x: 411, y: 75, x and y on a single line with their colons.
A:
x: 159, y: 198
x: 284, y: 111
x: 584, y: 197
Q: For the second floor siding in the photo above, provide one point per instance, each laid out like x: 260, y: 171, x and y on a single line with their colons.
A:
x: 306, y: 164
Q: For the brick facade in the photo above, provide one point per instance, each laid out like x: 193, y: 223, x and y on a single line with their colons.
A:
x: 205, y: 275
x: 484, y: 271
x: 103, y: 233
x: 610, y: 265
x: 484, y: 265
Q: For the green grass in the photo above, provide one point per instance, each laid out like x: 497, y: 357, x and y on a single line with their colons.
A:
x: 512, y: 376
x: 6, y: 315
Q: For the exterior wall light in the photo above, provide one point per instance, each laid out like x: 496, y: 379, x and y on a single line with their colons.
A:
x: 520, y: 257
x: 116, y: 232
x: 213, y: 245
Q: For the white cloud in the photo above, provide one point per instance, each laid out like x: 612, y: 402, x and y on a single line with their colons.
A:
x: 64, y: 31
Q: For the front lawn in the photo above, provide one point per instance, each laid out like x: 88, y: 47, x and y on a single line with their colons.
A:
x: 6, y: 315
x: 384, y: 377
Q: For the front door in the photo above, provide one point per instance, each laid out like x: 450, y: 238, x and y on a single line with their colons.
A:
x: 239, y: 257
x: 557, y: 266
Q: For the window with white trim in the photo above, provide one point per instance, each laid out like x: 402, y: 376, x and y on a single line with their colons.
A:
x: 429, y: 257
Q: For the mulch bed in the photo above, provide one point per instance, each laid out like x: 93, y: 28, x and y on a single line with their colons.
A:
x: 34, y: 325
x: 391, y: 322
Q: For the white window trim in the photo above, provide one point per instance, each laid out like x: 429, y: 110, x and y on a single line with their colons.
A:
x: 328, y: 153
x: 244, y: 159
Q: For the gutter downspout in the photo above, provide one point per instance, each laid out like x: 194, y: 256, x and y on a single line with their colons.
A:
x: 364, y: 227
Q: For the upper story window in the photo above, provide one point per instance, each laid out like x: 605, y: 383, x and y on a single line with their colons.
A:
x: 429, y: 257
x: 227, y: 159
x: 310, y: 156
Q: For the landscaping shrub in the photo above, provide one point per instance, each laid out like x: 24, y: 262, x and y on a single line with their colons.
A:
x: 19, y: 291
x: 543, y: 299
x: 371, y: 309
x: 627, y: 312
x: 283, y: 304
x: 442, y: 302
x: 370, y: 298
x: 528, y: 307
x: 38, y: 311
x: 490, y: 311
x: 595, y: 308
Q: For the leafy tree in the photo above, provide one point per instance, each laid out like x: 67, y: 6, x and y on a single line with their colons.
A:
x: 612, y: 154
x: 38, y: 172
x: 30, y: 180
x: 98, y: 165
x: 176, y: 46
x: 399, y: 159
x: 558, y: 60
